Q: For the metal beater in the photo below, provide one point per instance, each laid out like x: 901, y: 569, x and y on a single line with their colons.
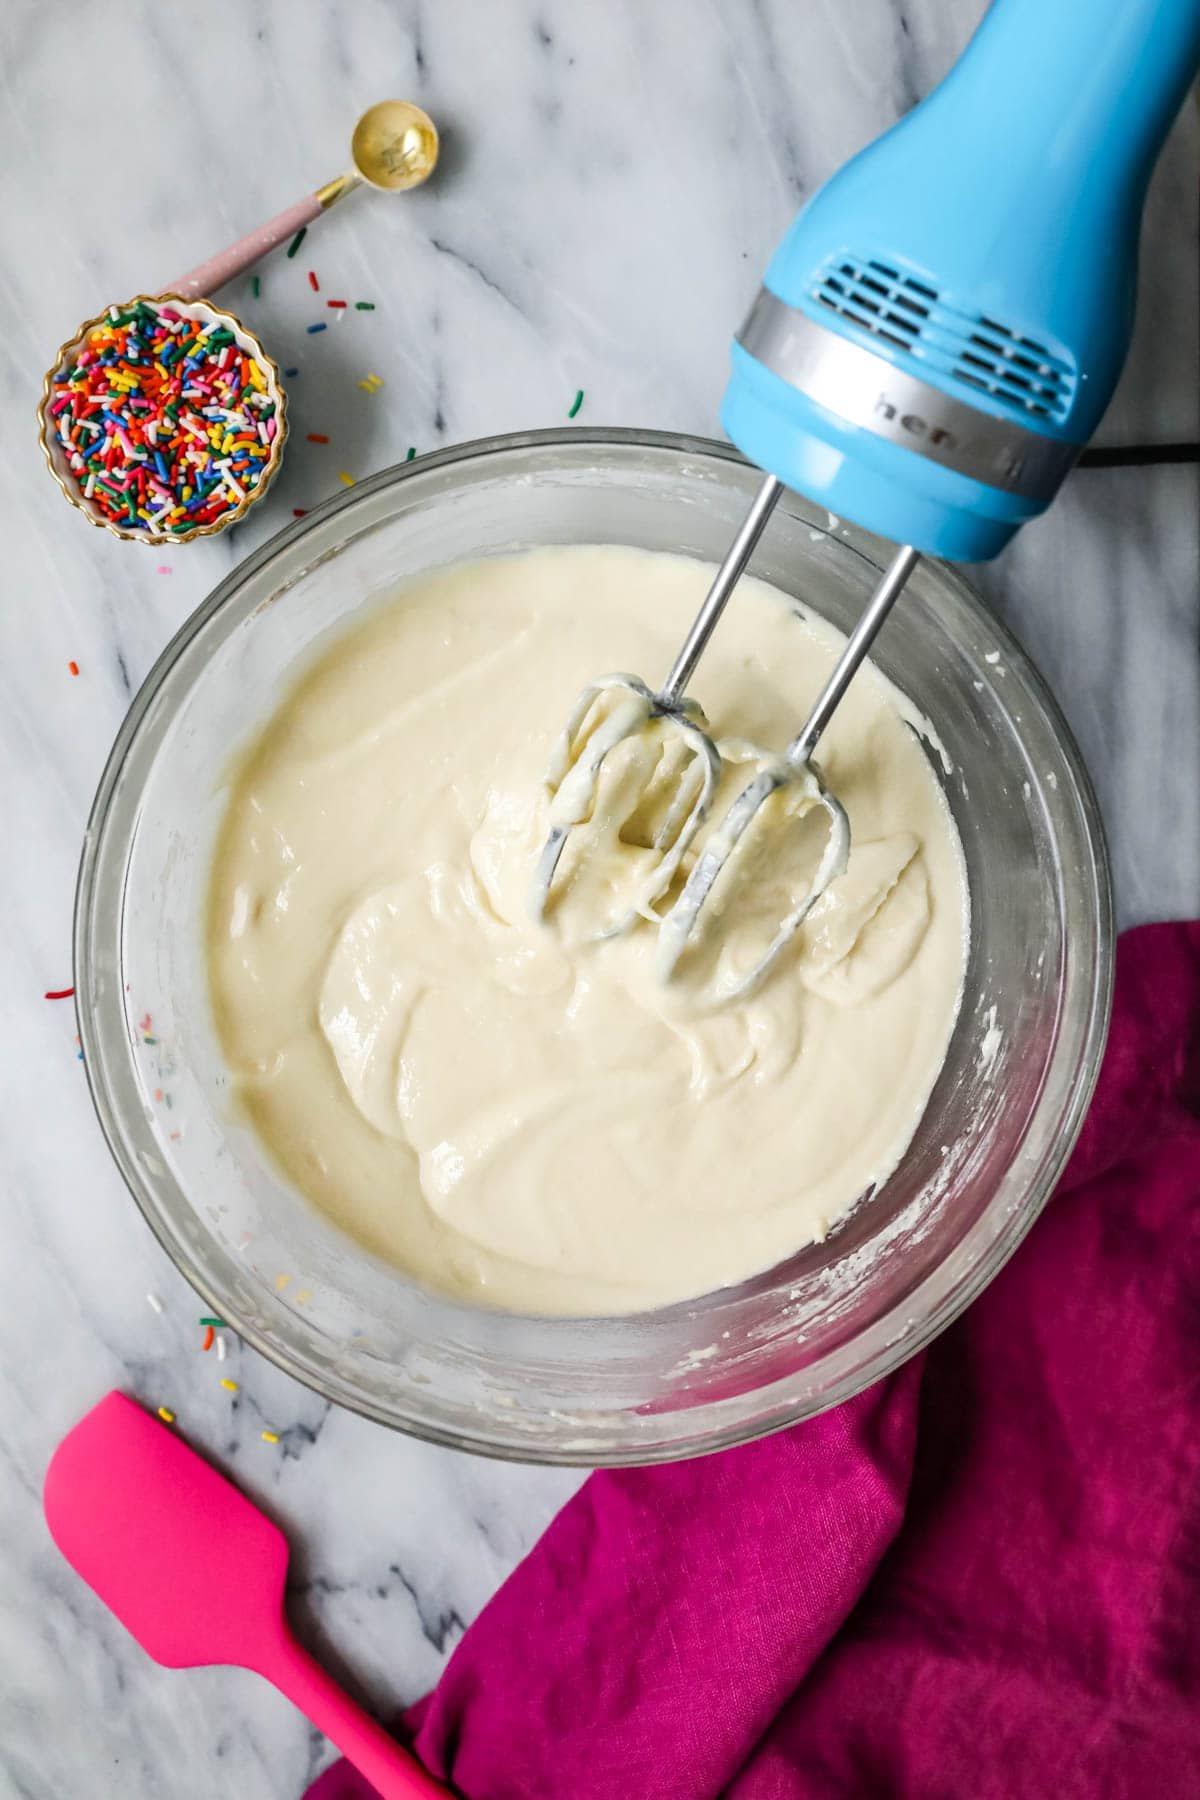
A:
x: 575, y: 767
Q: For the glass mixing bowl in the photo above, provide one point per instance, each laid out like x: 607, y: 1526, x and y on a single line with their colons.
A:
x: 735, y: 1363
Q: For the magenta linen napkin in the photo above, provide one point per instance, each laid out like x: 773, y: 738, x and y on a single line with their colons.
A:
x: 980, y: 1578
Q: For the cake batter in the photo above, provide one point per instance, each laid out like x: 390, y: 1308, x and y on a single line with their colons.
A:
x: 516, y: 1114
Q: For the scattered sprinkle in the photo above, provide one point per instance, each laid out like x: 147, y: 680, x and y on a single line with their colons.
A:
x: 364, y: 306
x: 60, y: 993
x: 270, y: 1437
x: 412, y: 451
x: 166, y: 1415
x: 339, y: 305
x: 165, y: 423
x: 165, y: 569
x: 299, y: 512
x: 347, y: 480
x: 313, y: 283
x: 158, y: 1096
x: 220, y: 1349
x: 154, y: 1303
x: 317, y: 437
x: 321, y: 327
x: 371, y: 383
x: 255, y: 286
x: 297, y: 240
x: 74, y: 667
x: 210, y: 1338
x: 230, y: 1386
x: 212, y: 1319
x: 290, y: 372
x: 281, y: 1281
x: 576, y: 404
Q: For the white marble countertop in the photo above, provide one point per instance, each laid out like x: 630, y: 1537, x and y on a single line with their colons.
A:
x: 613, y: 179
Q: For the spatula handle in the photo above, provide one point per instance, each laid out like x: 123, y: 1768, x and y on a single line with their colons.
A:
x: 374, y: 1753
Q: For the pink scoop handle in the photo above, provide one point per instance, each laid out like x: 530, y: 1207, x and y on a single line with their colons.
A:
x: 396, y: 1774
x: 208, y: 276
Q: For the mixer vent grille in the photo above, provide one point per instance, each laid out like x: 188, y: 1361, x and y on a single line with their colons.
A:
x: 882, y: 300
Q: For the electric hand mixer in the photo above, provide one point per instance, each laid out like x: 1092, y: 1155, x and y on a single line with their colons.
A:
x: 936, y: 338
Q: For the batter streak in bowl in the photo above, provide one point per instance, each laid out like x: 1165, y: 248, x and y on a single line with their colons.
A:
x: 512, y: 1112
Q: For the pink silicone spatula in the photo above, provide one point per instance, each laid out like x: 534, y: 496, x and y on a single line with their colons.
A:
x: 196, y: 1573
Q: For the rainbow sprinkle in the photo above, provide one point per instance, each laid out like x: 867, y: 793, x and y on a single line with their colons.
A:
x: 166, y: 423
x: 166, y: 1415
x: 270, y: 1437
x: 297, y: 240
x: 576, y: 404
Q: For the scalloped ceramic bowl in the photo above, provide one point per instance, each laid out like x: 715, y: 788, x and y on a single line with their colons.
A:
x: 56, y: 457
x: 728, y: 1365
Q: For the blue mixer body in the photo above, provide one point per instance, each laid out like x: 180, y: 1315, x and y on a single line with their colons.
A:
x: 942, y: 328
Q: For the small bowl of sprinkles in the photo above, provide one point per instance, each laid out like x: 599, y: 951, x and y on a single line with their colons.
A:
x: 163, y: 420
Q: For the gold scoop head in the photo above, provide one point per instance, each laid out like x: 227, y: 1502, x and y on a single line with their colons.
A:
x: 395, y: 146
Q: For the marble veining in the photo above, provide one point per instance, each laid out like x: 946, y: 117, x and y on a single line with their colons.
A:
x: 614, y: 178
